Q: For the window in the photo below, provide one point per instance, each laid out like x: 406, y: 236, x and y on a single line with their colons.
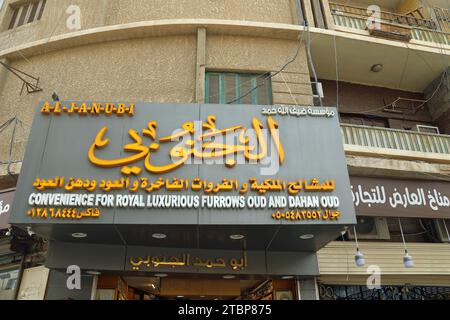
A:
x: 27, y: 13
x: 238, y: 88
x: 8, y: 279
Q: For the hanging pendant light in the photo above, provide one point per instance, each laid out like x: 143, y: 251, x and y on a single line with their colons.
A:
x: 359, y: 257
x: 408, y: 261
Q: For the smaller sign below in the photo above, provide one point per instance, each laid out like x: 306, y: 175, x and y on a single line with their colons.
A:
x: 6, y: 201
x: 34, y: 283
x: 401, y: 198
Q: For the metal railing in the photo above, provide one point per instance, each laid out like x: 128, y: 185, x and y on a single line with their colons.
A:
x: 420, y: 30
x: 386, y: 17
x: 443, y: 18
x: 386, y: 138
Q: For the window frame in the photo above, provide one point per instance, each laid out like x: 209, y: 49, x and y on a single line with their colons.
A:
x: 17, y: 12
x: 238, y: 86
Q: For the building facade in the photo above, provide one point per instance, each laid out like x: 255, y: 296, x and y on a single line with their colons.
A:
x: 385, y: 72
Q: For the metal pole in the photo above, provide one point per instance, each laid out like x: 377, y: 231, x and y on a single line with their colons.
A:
x: 19, y: 279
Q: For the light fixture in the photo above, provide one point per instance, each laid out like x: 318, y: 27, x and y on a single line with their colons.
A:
x: 306, y: 236
x: 377, y: 67
x: 287, y: 277
x: 152, y: 285
x: 79, y: 235
x: 93, y: 273
x: 229, y: 276
x: 359, y: 257
x: 202, y: 296
x: 180, y: 296
x: 8, y: 233
x: 161, y: 275
x: 30, y: 232
x: 408, y: 261
x: 159, y: 235
x: 237, y: 236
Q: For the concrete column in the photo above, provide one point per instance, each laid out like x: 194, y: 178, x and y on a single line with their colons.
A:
x: 308, y: 13
x: 309, y: 289
x: 201, y: 66
x: 327, y: 13
x: 317, y: 12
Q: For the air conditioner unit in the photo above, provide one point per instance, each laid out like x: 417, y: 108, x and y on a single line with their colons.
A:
x: 317, y: 90
x: 371, y: 228
x: 427, y: 129
x: 439, y: 227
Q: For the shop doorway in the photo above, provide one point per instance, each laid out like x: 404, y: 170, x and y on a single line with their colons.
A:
x: 186, y: 288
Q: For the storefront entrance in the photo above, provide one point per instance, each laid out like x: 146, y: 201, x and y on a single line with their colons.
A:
x: 188, y: 288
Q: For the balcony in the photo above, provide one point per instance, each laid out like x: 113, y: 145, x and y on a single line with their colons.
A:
x: 393, y: 143
x: 395, y: 26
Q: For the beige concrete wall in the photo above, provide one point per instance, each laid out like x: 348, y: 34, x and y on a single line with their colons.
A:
x: 53, y: 21
x: 111, y: 12
x: 248, y: 10
x: 156, y: 69
x: 263, y: 55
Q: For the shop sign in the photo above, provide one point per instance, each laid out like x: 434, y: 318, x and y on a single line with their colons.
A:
x: 6, y: 202
x: 401, y: 198
x: 130, y: 163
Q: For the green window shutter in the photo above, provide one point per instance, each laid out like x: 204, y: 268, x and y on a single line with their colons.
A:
x: 226, y: 87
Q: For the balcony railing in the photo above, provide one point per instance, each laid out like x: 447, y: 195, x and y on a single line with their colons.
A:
x: 386, y: 17
x: 421, y: 29
x: 378, y: 137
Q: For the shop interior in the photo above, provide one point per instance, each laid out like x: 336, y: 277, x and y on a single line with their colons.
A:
x: 165, y: 287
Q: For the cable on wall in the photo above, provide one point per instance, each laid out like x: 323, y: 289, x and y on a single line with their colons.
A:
x: 270, y: 76
x: 310, y: 60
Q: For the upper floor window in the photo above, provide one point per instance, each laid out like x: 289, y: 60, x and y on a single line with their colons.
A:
x: 27, y: 13
x: 238, y: 88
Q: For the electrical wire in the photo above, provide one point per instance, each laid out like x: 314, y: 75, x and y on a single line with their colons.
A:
x: 289, y: 89
x: 336, y: 63
x: 311, y: 63
x: 403, y: 236
x: 270, y: 76
x: 446, y: 230
x: 346, y: 256
x: 45, y: 45
x: 404, y: 66
x: 444, y: 74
